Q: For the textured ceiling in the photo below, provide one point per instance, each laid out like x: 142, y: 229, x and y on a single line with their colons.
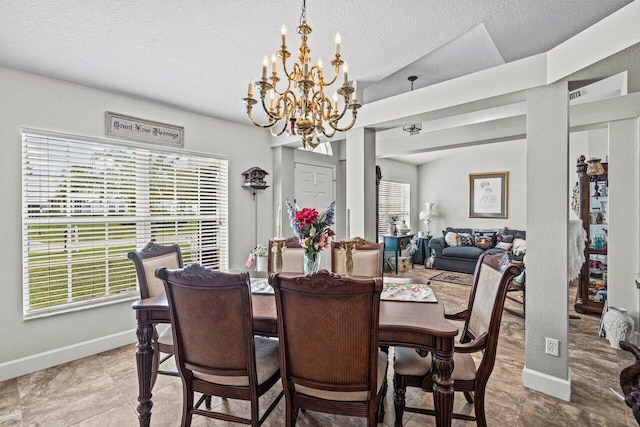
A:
x: 200, y: 55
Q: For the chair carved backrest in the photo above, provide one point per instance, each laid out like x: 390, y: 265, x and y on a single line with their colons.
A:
x: 368, y: 258
x: 211, y: 314
x: 148, y: 259
x: 292, y: 256
x: 491, y: 281
x: 328, y: 330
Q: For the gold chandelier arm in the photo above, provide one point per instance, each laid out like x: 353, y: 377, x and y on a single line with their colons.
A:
x: 330, y: 134
x: 334, y: 124
x: 268, y: 125
x: 284, y: 128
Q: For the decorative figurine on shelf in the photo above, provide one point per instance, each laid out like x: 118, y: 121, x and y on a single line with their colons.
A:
x: 426, y: 215
x: 391, y: 224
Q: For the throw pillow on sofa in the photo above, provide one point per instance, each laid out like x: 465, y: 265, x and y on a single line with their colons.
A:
x: 484, y: 242
x: 504, y: 245
x: 487, y: 233
x: 504, y: 238
x: 451, y: 238
x: 465, y: 239
x: 519, y: 246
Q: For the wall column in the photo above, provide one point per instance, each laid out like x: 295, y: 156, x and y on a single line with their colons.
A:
x: 546, y: 260
x: 624, y: 214
x: 361, y: 182
x: 283, y: 186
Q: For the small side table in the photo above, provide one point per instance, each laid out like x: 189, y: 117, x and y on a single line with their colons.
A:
x: 423, y: 252
x: 396, y: 244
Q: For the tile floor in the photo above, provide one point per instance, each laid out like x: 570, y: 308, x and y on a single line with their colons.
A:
x: 101, y: 390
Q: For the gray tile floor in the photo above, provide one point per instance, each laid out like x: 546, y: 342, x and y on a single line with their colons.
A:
x: 101, y: 390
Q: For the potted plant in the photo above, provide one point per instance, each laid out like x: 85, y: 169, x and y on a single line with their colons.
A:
x: 258, y: 257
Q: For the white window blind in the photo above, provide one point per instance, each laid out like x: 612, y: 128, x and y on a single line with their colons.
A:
x: 87, y: 203
x: 394, y: 199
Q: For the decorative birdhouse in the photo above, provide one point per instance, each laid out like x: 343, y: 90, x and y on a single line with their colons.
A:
x: 254, y: 178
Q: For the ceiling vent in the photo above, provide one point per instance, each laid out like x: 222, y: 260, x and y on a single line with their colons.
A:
x: 575, y: 94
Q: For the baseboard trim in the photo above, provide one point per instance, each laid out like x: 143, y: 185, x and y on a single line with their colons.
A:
x: 547, y: 384
x: 47, y: 359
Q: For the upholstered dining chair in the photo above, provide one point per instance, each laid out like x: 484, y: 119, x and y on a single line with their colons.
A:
x: 216, y: 351
x: 292, y: 256
x: 328, y: 330
x: 480, y: 335
x: 368, y: 258
x: 146, y: 261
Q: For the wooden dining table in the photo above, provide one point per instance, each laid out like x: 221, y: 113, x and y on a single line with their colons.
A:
x: 402, y: 323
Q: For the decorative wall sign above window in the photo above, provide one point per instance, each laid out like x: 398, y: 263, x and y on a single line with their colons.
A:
x: 136, y: 129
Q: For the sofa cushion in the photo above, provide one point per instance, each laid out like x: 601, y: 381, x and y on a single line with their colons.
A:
x: 465, y: 239
x: 484, y: 242
x: 451, y: 238
x: 486, y: 233
x: 470, y: 252
x: 504, y: 238
x: 456, y: 230
x: 504, y: 245
x: 519, y: 247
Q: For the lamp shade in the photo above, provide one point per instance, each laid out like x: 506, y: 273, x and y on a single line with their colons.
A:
x: 428, y: 212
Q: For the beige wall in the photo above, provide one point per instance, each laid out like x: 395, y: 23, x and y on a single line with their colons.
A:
x: 446, y: 182
x: 32, y: 101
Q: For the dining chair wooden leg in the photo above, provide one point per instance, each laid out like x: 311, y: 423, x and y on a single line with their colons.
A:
x: 399, y: 391
x: 481, y: 420
x: 187, y: 405
x: 380, y: 405
x: 207, y: 402
x: 155, y: 363
x: 291, y: 415
x: 469, y: 396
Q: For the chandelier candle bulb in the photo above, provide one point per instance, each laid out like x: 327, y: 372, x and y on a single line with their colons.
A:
x: 271, y: 104
x: 338, y: 40
x: 345, y: 69
x: 250, y: 89
x: 279, y: 222
x: 335, y: 101
x: 283, y: 32
x: 273, y: 63
x: 265, y: 61
x: 348, y: 224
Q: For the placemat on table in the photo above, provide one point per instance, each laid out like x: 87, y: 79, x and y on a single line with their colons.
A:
x: 416, y: 292
x: 260, y: 285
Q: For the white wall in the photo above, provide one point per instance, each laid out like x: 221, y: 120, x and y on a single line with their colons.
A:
x: 445, y: 182
x: 29, y: 100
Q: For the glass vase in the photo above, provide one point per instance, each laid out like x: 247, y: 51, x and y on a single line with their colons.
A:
x: 311, y: 262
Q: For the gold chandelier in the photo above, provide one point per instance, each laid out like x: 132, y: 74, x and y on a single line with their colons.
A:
x: 301, y: 105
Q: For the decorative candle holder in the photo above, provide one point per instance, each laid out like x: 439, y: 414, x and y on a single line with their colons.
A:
x: 279, y: 246
x: 349, y: 248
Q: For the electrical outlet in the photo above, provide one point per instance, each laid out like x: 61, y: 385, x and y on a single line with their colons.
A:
x: 552, y: 347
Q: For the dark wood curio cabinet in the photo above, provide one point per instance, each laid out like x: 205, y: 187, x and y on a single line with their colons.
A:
x: 593, y: 210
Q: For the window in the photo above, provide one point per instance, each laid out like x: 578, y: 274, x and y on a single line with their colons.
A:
x: 87, y: 203
x: 394, y: 199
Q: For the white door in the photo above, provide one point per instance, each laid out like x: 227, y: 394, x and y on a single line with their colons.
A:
x: 314, y: 186
x: 314, y: 189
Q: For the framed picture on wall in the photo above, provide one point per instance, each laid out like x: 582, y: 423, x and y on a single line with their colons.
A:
x: 488, y: 194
